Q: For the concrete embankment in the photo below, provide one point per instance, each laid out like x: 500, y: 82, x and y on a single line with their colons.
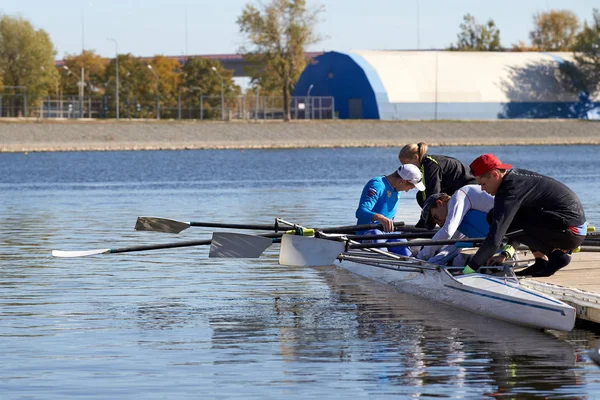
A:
x: 19, y: 136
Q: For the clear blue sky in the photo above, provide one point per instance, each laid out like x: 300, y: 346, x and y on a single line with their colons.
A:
x: 149, y: 27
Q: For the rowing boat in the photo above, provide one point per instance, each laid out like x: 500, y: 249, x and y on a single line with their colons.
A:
x: 498, y: 295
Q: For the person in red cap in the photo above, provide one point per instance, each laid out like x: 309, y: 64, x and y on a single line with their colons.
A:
x: 549, y: 214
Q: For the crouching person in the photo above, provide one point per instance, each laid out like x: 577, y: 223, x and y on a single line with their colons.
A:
x: 549, y: 214
x: 379, y: 201
x: 462, y: 215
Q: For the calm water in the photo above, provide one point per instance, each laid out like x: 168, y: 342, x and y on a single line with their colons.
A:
x: 173, y: 324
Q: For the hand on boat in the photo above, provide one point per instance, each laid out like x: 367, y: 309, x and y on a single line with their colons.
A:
x: 496, y: 260
x: 386, y: 223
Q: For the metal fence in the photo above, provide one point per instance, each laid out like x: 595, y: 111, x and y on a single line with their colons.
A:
x: 189, y: 108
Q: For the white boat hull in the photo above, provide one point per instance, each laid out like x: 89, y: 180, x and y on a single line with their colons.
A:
x: 500, y: 298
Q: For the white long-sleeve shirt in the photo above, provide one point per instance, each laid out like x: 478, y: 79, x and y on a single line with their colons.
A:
x: 465, y: 199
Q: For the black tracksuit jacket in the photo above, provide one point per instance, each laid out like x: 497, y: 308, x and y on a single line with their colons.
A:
x: 524, y: 199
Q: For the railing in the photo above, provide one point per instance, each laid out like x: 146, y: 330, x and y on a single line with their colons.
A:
x: 188, y: 108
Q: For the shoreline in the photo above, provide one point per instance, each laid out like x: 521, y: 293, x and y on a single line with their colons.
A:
x: 125, y: 135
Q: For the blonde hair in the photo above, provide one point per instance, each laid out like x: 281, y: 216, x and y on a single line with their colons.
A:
x: 409, y: 151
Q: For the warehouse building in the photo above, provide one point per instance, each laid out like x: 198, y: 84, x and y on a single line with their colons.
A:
x: 447, y: 85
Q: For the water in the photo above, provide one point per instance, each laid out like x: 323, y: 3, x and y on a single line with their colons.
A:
x: 176, y: 324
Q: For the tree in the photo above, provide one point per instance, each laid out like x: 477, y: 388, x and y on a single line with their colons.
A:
x: 26, y: 61
x: 134, y: 85
x: 555, y: 30
x: 279, y: 32
x: 199, y: 79
x: 169, y: 78
x: 94, y: 73
x: 587, y: 56
x: 477, y: 37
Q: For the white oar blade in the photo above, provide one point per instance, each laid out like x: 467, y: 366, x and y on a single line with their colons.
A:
x: 308, y: 251
x: 82, y: 253
x: 237, y: 245
x: 156, y: 224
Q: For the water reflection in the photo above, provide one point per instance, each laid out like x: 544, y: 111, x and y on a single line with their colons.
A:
x: 398, y: 341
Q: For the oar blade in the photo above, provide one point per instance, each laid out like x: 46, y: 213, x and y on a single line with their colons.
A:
x: 237, y: 245
x: 308, y: 252
x: 78, y: 253
x: 156, y: 224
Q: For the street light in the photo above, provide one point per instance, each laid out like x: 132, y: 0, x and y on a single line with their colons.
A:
x: 222, y: 94
x: 157, y: 104
x: 81, y: 84
x: 309, y: 102
x: 117, y: 65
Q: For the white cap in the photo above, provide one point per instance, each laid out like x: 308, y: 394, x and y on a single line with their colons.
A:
x: 411, y: 173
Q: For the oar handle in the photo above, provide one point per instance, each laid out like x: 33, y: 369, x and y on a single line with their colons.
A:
x: 258, y: 227
x: 465, y: 242
x: 415, y: 235
x: 415, y: 243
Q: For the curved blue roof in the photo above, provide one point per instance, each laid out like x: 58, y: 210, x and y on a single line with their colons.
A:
x: 349, y: 78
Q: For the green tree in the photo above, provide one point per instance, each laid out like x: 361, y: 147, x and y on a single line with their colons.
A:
x: 94, y: 67
x: 26, y: 60
x: 477, y: 37
x: 587, y: 53
x: 199, y: 79
x: 279, y: 33
x: 134, y: 86
x: 555, y: 30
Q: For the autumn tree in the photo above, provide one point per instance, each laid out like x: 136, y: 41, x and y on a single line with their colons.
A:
x: 278, y: 33
x: 169, y: 74
x: 94, y: 67
x: 26, y: 61
x: 477, y: 37
x: 554, y: 30
x: 587, y: 53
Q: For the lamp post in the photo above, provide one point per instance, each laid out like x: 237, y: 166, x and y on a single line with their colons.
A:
x: 80, y: 84
x: 157, y: 104
x: 222, y: 94
x: 117, y: 73
x: 309, y: 103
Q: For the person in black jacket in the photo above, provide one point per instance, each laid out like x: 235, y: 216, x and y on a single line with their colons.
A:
x: 441, y: 174
x: 549, y: 214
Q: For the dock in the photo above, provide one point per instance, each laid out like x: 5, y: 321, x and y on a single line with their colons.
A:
x: 578, y: 284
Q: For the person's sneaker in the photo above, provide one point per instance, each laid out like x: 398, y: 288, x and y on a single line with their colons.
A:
x: 556, y: 260
x: 538, y: 266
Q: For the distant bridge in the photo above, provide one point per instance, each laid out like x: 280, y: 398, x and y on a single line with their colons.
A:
x: 235, y: 62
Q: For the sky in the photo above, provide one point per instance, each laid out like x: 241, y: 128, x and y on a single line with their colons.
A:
x: 150, y: 27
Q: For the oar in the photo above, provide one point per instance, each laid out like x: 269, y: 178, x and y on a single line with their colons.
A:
x: 156, y: 224
x: 237, y: 245
x: 247, y: 239
x: 241, y: 240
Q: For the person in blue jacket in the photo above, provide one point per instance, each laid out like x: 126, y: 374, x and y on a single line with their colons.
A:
x: 379, y: 199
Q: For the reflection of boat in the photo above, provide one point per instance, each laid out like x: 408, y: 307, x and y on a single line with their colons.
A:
x: 498, y: 336
x: 426, y: 346
x: 499, y: 296
x: 517, y: 357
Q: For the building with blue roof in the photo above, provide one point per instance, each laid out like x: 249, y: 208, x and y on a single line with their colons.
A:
x: 447, y: 85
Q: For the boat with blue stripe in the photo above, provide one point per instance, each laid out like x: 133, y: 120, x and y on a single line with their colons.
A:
x: 498, y: 294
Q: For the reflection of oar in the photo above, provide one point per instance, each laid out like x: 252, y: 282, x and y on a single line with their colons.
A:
x: 156, y: 224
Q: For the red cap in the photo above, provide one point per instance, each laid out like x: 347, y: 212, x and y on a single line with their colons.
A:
x: 486, y: 163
